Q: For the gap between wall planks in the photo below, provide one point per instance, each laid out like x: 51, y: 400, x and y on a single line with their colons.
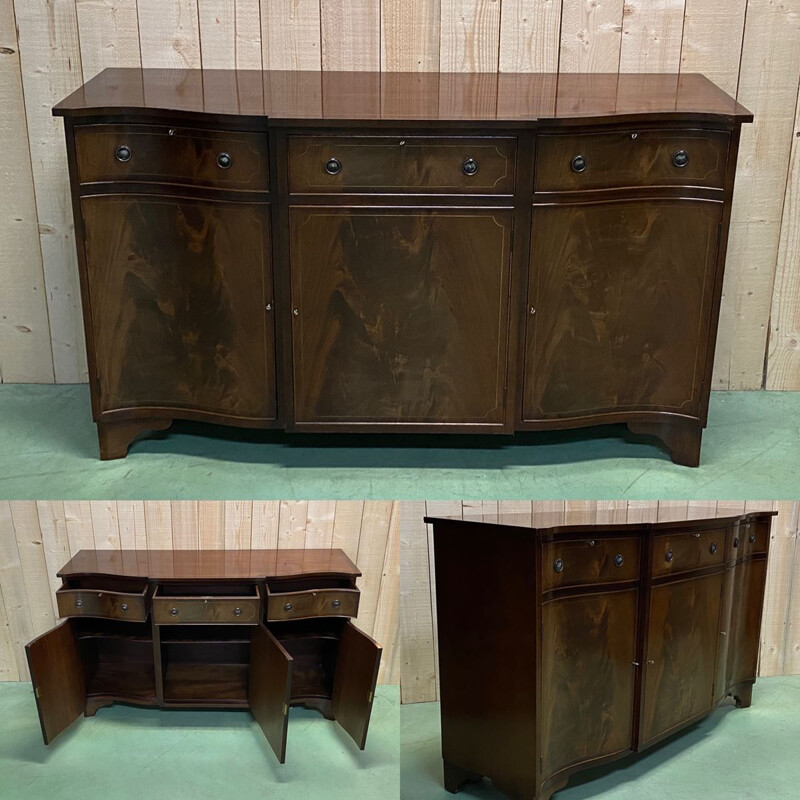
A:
x: 38, y: 538
x: 749, y: 47
x: 780, y: 628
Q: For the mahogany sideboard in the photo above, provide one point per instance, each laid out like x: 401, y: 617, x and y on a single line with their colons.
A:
x: 563, y: 647
x: 365, y: 252
x: 260, y: 629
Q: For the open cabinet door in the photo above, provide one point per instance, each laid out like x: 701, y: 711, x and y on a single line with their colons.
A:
x: 354, y: 682
x: 270, y: 687
x: 59, y: 683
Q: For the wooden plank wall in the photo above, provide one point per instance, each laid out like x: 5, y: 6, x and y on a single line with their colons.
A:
x: 750, y: 47
x: 780, y: 628
x: 38, y: 538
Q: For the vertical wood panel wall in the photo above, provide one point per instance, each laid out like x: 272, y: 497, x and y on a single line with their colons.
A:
x: 780, y: 627
x: 38, y: 538
x: 749, y: 47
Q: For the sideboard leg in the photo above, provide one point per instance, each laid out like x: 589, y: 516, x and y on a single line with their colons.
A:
x: 743, y: 695
x: 682, y: 439
x: 455, y: 777
x: 318, y: 704
x: 93, y: 704
x: 116, y: 437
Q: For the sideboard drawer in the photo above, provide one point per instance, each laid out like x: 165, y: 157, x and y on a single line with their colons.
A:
x: 184, y: 156
x: 130, y: 606
x: 175, y: 605
x: 683, y: 552
x: 395, y: 164
x: 312, y: 603
x: 587, y: 561
x: 568, y: 162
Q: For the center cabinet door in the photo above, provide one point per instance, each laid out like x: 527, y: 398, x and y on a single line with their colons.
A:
x: 270, y: 687
x: 400, y: 316
x: 179, y: 288
x: 621, y: 293
x: 588, y: 677
x: 681, y: 654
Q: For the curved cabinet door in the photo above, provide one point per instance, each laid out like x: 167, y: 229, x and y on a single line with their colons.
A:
x: 681, y: 655
x: 178, y: 289
x: 400, y: 316
x: 749, y: 578
x: 622, y: 293
x: 588, y: 677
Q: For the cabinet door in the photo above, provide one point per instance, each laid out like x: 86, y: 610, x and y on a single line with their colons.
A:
x: 400, y: 315
x: 270, y: 687
x: 748, y: 598
x: 354, y: 683
x: 622, y: 293
x: 588, y: 677
x: 59, y: 682
x: 681, y: 654
x: 178, y: 289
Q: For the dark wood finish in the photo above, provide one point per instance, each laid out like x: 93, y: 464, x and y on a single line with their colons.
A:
x: 318, y: 603
x: 401, y: 164
x: 173, y: 155
x: 58, y: 679
x: 95, y: 603
x: 402, y: 315
x: 216, y: 650
x: 270, y: 688
x: 355, y: 681
x: 542, y: 678
x: 398, y: 300
x: 631, y: 158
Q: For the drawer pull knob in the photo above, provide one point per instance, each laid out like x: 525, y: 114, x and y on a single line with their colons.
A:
x: 680, y: 159
x: 470, y: 166
x: 619, y: 560
x: 79, y: 604
x: 333, y: 166
x: 696, y: 535
x: 670, y: 555
x: 224, y: 161
x: 578, y: 164
x: 736, y: 542
x: 287, y: 607
x: 173, y: 612
x: 591, y: 542
x: 336, y: 603
x: 123, y: 153
x: 237, y: 612
x: 751, y: 538
x: 713, y: 548
x: 296, y: 312
x: 558, y: 565
x: 124, y: 606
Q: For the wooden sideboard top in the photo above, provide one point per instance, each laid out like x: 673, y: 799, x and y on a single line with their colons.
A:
x: 403, y: 96
x: 548, y: 523
x: 210, y: 564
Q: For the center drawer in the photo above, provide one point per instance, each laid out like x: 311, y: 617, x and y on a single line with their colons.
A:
x: 181, y: 604
x: 397, y: 164
x: 98, y: 598
x: 162, y: 154
x: 338, y: 602
x: 686, y: 551
x: 586, y: 561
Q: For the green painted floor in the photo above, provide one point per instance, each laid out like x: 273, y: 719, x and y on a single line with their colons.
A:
x: 49, y: 450
x: 742, y: 753
x: 127, y: 753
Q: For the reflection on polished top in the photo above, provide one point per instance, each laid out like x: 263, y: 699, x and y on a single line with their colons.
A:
x: 551, y: 522
x: 210, y: 564
x: 435, y: 97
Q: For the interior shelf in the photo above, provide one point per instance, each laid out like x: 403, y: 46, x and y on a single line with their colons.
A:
x: 119, y: 667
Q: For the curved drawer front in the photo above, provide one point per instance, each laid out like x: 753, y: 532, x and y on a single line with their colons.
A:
x: 753, y: 539
x: 401, y: 164
x: 206, y: 610
x: 567, y: 162
x: 184, y: 156
x: 97, y: 603
x: 589, y: 561
x: 683, y: 552
x: 315, y: 603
